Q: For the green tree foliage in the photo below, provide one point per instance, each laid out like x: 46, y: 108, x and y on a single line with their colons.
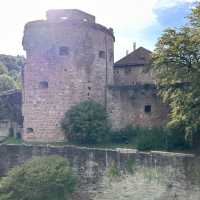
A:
x: 176, y: 63
x: 38, y: 179
x: 86, y: 123
x: 12, y: 62
x: 10, y: 78
x: 3, y: 69
x: 7, y: 83
x: 10, y: 67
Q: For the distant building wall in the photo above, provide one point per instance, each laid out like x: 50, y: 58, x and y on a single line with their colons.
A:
x: 131, y: 75
x: 69, y: 60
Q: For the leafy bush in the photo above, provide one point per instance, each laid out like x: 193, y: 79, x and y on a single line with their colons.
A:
x: 86, y: 123
x: 125, y: 135
x: 151, y: 138
x: 160, y: 139
x: 176, y: 139
x: 38, y: 179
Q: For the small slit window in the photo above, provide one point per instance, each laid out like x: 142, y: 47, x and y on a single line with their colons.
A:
x: 111, y: 56
x: 43, y: 85
x: 102, y: 54
x: 63, y: 51
x: 29, y: 130
x: 147, y: 108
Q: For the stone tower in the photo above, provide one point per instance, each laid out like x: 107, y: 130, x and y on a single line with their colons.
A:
x: 69, y: 60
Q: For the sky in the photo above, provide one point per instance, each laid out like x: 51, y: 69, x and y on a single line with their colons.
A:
x: 140, y: 21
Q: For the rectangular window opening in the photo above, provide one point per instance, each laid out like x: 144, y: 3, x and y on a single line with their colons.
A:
x: 63, y: 51
x: 29, y: 130
x: 43, y: 85
x: 147, y: 108
x: 102, y: 54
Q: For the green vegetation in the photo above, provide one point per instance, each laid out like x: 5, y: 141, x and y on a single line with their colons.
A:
x: 176, y: 63
x: 112, y: 171
x: 38, y: 179
x: 161, y: 139
x: 86, y: 123
x: 12, y: 140
x: 10, y: 71
x: 155, y: 138
x: 130, y: 165
x: 10, y: 78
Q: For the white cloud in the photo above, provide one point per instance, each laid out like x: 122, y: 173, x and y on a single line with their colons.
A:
x: 128, y: 18
x: 171, y: 3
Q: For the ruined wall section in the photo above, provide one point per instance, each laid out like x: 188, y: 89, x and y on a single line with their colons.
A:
x: 132, y: 75
x: 129, y: 104
x: 133, y: 99
x: 120, y: 174
x: 66, y: 64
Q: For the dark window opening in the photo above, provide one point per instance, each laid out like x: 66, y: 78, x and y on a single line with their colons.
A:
x: 89, y: 88
x: 43, y: 84
x: 147, y: 109
x: 63, y: 51
x: 102, y: 54
x: 127, y: 71
x: 29, y: 130
x: 111, y: 56
x: 88, y: 94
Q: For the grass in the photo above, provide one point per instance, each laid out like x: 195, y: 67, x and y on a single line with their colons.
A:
x: 12, y: 140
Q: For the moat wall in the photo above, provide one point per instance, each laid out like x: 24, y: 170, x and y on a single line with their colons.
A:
x: 119, y: 174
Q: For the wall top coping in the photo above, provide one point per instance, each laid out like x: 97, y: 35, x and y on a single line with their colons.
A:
x: 117, y: 150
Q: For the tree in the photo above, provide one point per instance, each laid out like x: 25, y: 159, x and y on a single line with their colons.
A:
x: 176, y: 63
x: 38, y: 179
x: 7, y: 83
x: 86, y: 123
x: 3, y: 69
x: 11, y: 66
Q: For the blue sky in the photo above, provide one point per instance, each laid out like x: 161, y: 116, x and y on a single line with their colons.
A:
x: 166, y: 17
x: 140, y: 21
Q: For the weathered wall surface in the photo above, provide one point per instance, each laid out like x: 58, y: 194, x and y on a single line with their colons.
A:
x: 127, y: 107
x: 132, y: 91
x: 69, y: 60
x: 121, y: 175
x: 132, y: 75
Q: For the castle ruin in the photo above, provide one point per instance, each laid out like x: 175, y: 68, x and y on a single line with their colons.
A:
x: 70, y: 58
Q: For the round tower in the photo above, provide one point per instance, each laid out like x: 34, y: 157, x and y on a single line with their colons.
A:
x: 69, y: 60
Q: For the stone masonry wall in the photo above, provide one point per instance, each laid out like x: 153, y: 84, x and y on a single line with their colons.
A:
x: 132, y: 75
x: 127, y: 107
x: 129, y: 96
x: 120, y: 174
x: 69, y: 60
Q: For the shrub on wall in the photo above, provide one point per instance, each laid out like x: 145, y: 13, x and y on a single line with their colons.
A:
x: 125, y: 135
x: 38, y: 179
x: 86, y: 123
x: 161, y: 139
x: 151, y: 139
